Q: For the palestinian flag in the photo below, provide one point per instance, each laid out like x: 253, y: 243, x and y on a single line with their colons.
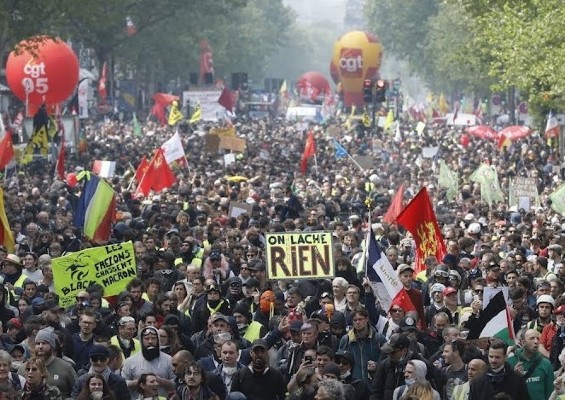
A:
x: 494, y: 320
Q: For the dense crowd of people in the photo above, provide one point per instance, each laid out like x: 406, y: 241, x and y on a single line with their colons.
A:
x: 203, y: 321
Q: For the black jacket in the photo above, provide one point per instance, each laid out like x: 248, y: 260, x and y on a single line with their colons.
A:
x: 507, y: 381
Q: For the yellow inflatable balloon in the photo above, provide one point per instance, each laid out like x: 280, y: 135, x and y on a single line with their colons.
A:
x: 358, y: 56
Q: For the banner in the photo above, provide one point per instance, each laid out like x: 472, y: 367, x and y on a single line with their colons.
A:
x: 111, y: 266
x: 521, y: 187
x: 211, y: 109
x: 306, y: 255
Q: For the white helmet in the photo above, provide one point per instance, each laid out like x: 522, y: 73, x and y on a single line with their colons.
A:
x: 474, y: 228
x: 545, y: 298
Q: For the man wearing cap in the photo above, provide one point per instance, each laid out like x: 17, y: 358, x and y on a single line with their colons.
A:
x: 437, y: 302
x: 149, y: 360
x: 346, y: 360
x: 259, y: 381
x: 12, y: 272
x: 209, y: 305
x: 406, y: 275
x: 248, y: 329
x: 390, y: 371
x: 258, y: 271
x: 233, y: 290
x: 99, y: 356
x: 165, y: 272
x: 61, y: 373
x: 549, y: 331
x: 125, y: 339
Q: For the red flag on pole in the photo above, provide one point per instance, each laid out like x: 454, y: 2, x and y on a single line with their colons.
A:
x: 226, y: 100
x: 141, y: 169
x: 158, y: 176
x: 309, y: 151
x: 6, y: 149
x: 420, y: 220
x: 102, y: 83
x: 396, y: 206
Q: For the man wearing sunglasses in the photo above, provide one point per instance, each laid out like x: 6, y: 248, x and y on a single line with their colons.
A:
x: 99, y: 356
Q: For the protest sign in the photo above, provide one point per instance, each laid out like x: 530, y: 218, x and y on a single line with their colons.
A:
x: 237, y: 208
x: 304, y: 255
x: 232, y: 143
x: 111, y: 266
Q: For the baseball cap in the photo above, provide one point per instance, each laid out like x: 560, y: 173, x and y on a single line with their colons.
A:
x: 295, y: 326
x: 259, y: 343
x: 215, y: 255
x: 218, y: 317
x: 437, y: 287
x: 560, y: 309
x: 344, y: 355
x: 449, y: 290
x: 407, y: 323
x: 404, y: 267
x: 397, y: 341
x: 99, y: 350
x: 320, y: 316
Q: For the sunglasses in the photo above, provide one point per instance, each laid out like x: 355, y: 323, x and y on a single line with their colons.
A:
x: 98, y: 358
x: 396, y: 310
x: 479, y: 291
x: 235, y: 284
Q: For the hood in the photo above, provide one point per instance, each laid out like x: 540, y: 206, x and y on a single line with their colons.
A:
x: 420, y: 369
x: 154, y: 330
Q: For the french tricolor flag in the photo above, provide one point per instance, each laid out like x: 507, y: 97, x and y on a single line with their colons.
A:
x: 104, y: 169
x: 384, y: 280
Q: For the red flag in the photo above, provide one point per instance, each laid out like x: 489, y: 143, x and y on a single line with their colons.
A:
x: 226, y: 100
x: 131, y: 29
x: 102, y: 83
x: 396, y: 206
x: 140, y: 171
x: 309, y: 151
x: 420, y: 220
x: 158, y: 176
x: 159, y: 112
x: 60, y: 167
x: 552, y: 127
x: 6, y: 149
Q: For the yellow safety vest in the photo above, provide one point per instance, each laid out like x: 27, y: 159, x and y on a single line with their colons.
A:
x: 136, y: 345
x: 253, y: 331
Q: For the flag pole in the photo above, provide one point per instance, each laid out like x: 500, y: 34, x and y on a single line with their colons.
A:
x: 369, y: 233
x: 355, y: 162
x: 316, y: 164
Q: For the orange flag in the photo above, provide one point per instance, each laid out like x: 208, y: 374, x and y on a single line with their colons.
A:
x: 420, y: 220
x: 6, y: 149
x: 158, y: 176
x: 395, y: 207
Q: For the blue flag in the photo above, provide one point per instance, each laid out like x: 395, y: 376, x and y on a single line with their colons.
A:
x: 340, y: 152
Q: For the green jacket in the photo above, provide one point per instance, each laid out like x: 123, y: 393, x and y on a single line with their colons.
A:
x: 540, y: 382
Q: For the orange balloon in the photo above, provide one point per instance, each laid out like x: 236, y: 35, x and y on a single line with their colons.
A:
x: 48, y: 74
x: 358, y: 56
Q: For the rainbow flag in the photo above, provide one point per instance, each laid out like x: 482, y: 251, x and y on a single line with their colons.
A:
x: 96, y: 208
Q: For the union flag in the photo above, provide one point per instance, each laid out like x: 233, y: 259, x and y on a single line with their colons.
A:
x: 309, y: 151
x: 158, y: 175
x: 420, y: 220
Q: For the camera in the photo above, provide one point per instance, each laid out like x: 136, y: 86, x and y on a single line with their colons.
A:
x: 309, y: 359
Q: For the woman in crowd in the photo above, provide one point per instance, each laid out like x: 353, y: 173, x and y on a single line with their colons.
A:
x: 330, y: 390
x: 36, y: 387
x: 96, y: 388
x: 7, y: 377
x: 148, y: 387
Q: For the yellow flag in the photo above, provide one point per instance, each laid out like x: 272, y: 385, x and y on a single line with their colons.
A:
x: 196, y: 115
x: 38, y: 144
x: 389, y: 120
x: 6, y: 236
x: 175, y: 115
x: 366, y: 119
x: 52, y: 127
x: 443, y: 106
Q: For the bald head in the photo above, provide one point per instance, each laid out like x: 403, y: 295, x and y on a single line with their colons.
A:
x: 476, y: 368
x: 531, y: 341
x: 180, y: 361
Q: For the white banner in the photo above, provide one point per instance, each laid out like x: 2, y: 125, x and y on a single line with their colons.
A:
x: 173, y: 148
x: 211, y: 109
x: 83, y: 99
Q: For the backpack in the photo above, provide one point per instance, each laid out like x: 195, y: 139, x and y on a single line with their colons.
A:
x: 16, y: 383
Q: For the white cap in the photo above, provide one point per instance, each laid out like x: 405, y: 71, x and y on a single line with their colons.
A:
x: 545, y: 298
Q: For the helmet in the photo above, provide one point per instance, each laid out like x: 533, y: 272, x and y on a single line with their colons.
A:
x: 545, y: 298
x: 474, y: 228
x: 267, y: 301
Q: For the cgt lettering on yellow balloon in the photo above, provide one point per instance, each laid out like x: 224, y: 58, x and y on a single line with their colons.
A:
x: 299, y: 255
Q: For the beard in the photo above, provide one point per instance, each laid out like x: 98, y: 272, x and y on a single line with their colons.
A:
x: 150, y: 353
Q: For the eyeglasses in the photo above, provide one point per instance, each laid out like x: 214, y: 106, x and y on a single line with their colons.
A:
x: 98, y: 358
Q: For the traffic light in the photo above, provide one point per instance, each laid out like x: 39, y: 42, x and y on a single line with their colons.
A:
x: 368, y: 91
x: 380, y: 91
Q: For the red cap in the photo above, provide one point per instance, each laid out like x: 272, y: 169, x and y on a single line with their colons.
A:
x: 448, y: 290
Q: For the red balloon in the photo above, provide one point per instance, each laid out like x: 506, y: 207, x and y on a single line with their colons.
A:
x: 49, y: 75
x: 312, y: 84
x: 72, y: 179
